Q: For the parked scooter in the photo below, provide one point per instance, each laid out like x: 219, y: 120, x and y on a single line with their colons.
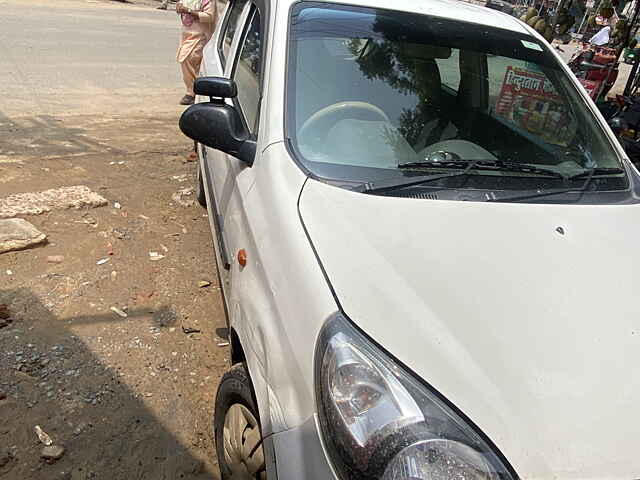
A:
x: 596, y: 68
x: 623, y: 116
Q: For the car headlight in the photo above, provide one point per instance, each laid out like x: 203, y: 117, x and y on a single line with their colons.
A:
x: 379, y: 422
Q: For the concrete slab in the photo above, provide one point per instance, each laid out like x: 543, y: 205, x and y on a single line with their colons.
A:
x: 36, y: 203
x: 18, y: 234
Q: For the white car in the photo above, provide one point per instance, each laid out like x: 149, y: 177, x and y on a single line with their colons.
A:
x: 427, y: 239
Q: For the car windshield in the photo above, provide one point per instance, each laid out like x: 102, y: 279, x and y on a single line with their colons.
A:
x: 378, y: 95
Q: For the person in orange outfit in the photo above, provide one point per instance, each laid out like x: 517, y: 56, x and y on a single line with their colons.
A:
x: 199, y: 18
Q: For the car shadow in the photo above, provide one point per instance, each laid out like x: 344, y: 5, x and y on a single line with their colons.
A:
x: 52, y: 378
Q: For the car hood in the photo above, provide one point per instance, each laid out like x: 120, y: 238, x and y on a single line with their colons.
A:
x: 525, y: 316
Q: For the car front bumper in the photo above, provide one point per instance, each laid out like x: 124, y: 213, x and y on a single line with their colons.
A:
x: 297, y: 454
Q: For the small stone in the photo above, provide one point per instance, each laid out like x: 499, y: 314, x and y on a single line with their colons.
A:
x: 155, y: 256
x: 119, y: 312
x: 52, y: 453
x: 204, y: 283
x: 55, y: 259
x: 180, y: 197
x: 43, y: 436
x: 190, y: 330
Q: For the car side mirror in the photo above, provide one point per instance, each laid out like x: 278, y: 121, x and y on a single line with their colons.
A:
x: 216, y: 124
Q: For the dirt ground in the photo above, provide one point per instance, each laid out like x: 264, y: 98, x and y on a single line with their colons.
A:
x: 128, y: 398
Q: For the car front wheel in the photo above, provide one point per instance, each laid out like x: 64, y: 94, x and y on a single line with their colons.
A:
x: 237, y: 430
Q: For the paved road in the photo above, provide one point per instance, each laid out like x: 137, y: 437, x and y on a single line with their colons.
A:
x: 78, y: 57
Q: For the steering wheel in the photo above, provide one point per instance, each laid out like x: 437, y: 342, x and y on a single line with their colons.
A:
x: 315, y: 130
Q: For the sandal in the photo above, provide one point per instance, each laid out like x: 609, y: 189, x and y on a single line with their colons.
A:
x: 187, y: 100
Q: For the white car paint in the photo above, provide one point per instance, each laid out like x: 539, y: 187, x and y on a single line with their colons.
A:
x: 487, y: 302
x: 533, y: 334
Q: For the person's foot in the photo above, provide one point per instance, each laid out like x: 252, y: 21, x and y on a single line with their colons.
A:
x: 187, y: 100
x: 161, y: 7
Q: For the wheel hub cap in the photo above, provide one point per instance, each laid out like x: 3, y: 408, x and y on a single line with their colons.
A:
x: 243, y: 444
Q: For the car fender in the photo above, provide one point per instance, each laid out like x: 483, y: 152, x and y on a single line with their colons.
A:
x: 280, y: 300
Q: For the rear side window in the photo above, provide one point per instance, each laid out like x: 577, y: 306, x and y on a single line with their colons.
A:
x: 247, y: 72
x: 230, y: 27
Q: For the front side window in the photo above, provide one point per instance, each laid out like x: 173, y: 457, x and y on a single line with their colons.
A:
x: 231, y: 26
x: 377, y: 95
x: 247, y: 72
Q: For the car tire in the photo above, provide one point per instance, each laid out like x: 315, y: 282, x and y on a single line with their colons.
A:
x: 237, y: 430
x: 200, y: 195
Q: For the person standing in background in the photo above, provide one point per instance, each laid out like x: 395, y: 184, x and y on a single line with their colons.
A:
x: 199, y: 18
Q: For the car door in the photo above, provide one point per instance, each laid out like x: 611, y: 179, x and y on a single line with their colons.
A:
x: 228, y: 177
x: 217, y: 168
x: 246, y: 71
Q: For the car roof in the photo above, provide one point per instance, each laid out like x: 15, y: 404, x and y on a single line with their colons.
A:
x: 451, y: 9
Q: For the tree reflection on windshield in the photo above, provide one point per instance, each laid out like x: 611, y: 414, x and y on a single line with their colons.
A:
x: 397, y: 65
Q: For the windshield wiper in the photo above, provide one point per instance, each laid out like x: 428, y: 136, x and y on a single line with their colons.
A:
x: 589, y: 174
x: 398, y: 184
x: 467, y: 165
x: 495, y: 165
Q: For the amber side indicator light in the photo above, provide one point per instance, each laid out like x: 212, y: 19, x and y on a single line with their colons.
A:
x: 242, y: 257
